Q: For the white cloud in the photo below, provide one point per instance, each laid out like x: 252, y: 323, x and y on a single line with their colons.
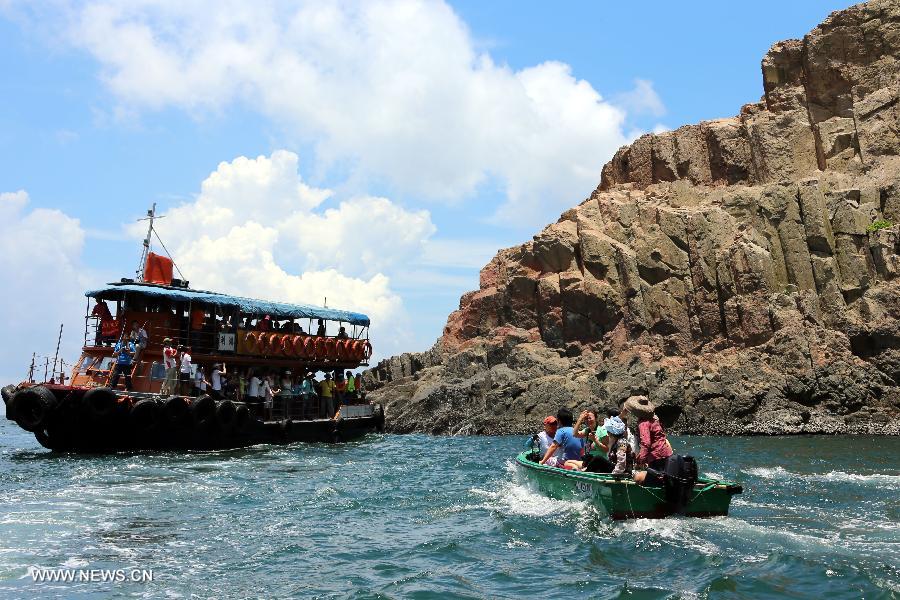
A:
x: 395, y: 88
x: 44, y: 282
x: 253, y: 230
x: 364, y: 235
x: 643, y: 99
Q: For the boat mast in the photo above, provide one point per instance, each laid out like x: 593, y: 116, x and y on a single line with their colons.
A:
x: 151, y: 214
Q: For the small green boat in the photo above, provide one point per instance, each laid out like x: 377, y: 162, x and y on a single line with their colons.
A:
x: 621, y: 497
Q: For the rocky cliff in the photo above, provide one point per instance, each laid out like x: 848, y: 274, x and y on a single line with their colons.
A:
x: 742, y: 272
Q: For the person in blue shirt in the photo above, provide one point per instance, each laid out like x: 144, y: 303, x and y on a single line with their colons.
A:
x: 573, y: 447
x: 124, y: 353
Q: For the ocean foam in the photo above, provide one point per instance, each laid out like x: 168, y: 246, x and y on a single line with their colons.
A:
x: 835, y: 476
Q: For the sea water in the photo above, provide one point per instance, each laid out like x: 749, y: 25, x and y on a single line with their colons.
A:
x: 417, y: 516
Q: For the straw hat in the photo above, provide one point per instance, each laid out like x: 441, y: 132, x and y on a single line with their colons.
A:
x: 639, y: 406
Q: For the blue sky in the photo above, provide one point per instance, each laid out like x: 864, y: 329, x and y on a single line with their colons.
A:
x: 476, y: 123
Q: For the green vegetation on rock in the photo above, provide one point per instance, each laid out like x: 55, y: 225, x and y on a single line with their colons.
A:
x: 879, y: 224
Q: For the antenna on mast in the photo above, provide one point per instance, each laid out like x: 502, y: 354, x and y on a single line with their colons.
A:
x: 151, y: 215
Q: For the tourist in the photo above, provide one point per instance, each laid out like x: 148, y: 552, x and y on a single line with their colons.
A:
x: 621, y: 454
x: 655, y: 448
x: 307, y: 387
x: 139, y: 334
x: 124, y: 353
x: 264, y: 324
x: 104, y: 317
x: 357, y: 383
x: 184, y: 370
x: 342, y: 334
x: 629, y: 434
x: 321, y: 330
x: 545, y: 440
x: 326, y: 391
x: 306, y: 391
x: 268, y: 391
x: 200, y: 381
x: 216, y: 380
x: 230, y: 386
x: 595, y: 452
x: 241, y: 384
x: 565, y: 438
x: 351, y: 386
x: 254, y: 388
x: 340, y: 389
x: 170, y: 362
x: 286, y: 395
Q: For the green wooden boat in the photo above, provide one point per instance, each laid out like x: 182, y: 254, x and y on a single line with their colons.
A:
x: 622, y: 498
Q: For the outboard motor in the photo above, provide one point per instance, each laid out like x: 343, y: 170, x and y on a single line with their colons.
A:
x: 680, y: 478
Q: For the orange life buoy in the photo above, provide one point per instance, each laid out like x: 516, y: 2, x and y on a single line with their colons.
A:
x: 359, y: 349
x: 331, y: 348
x: 287, y: 345
x: 274, y: 343
x: 305, y: 346
x: 251, y: 342
x: 309, y: 347
x: 319, y: 348
x: 368, y: 350
x: 299, y: 346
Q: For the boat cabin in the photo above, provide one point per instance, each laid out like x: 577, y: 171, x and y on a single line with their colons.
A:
x: 218, y: 328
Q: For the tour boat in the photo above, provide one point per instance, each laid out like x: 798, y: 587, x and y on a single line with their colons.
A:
x: 621, y: 498
x: 83, y: 412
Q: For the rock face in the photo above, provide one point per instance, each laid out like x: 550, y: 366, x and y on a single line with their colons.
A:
x: 730, y: 270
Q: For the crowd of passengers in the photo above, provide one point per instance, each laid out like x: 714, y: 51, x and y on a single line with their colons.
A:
x: 610, y: 446
x: 257, y: 387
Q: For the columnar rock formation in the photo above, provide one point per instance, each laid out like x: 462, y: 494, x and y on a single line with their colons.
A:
x: 742, y: 272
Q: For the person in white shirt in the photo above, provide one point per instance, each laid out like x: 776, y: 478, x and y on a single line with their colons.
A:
x: 185, y: 371
x: 253, y: 389
x: 216, y: 380
x: 200, y: 382
x: 545, y: 440
x: 252, y: 400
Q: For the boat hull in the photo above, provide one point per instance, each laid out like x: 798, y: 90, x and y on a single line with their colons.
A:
x: 69, y: 425
x: 620, y: 497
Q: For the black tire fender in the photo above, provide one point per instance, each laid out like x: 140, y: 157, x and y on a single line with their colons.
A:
x: 203, y: 410
x: 176, y: 411
x: 8, y: 392
x: 241, y: 419
x: 43, y: 438
x: 225, y: 414
x: 380, y: 422
x: 32, y: 406
x: 99, y: 403
x: 144, y: 415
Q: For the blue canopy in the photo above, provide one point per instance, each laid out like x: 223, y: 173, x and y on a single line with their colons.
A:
x: 277, y: 310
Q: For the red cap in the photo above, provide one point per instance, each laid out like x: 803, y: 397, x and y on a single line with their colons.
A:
x: 551, y: 420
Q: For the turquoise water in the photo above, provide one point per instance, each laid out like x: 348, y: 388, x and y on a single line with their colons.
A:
x: 423, y: 517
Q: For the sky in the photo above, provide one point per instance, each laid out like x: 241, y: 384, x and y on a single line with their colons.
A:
x: 375, y: 154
